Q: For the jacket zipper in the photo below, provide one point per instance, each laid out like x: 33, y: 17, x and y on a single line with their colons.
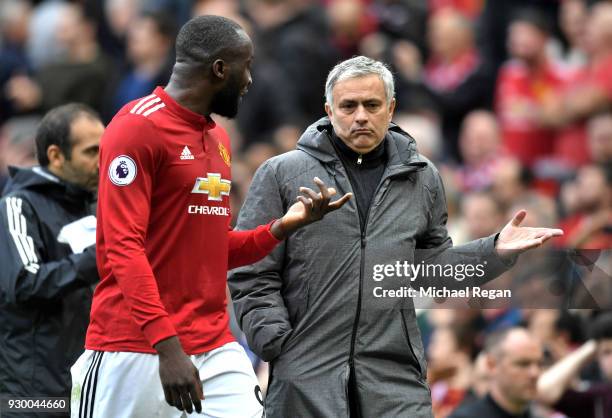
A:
x: 361, y: 272
x: 362, y: 267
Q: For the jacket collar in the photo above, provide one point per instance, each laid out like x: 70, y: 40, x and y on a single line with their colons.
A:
x: 41, y: 180
x: 402, y: 154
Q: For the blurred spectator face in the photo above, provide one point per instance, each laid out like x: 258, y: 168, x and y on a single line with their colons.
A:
x: 449, y: 35
x: 482, y: 215
x: 592, y: 188
x: 600, y: 138
x: 14, y: 18
x: 604, y: 358
x: 257, y: 154
x: 542, y: 325
x: 506, y: 181
x: 572, y: 19
x: 516, y: 366
x: 345, y: 16
x: 17, y: 142
x: 442, y: 349
x: 360, y: 114
x: 82, y: 167
x: 481, y: 376
x: 425, y: 132
x: 598, y: 33
x: 121, y: 14
x: 145, y: 42
x: 526, y: 42
x: 72, y: 28
x: 480, y: 137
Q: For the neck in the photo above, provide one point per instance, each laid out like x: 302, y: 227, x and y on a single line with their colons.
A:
x: 511, y: 406
x: 189, y: 95
x: 537, y: 63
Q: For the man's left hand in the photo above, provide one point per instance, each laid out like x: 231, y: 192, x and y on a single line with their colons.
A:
x: 309, y: 208
x: 514, y: 239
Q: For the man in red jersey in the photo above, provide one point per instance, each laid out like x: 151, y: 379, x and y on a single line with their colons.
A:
x: 163, y: 246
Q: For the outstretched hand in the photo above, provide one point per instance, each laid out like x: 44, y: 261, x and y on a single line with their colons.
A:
x: 515, y: 239
x: 310, y: 207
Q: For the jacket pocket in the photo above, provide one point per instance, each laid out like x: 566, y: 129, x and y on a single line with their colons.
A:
x: 296, y: 301
x: 415, y: 346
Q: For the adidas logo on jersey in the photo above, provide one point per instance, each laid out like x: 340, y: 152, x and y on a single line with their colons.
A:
x: 186, y: 154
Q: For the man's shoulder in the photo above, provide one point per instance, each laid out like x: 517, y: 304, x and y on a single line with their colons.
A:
x: 291, y: 164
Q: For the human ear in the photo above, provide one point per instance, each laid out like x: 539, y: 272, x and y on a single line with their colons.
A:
x: 219, y: 68
x: 55, y: 156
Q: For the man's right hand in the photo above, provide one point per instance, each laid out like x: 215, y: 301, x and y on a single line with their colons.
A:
x: 179, y: 377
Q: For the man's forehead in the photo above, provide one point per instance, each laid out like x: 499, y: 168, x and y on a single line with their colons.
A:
x: 359, y: 88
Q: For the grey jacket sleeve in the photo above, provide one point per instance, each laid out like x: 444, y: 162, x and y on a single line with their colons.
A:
x: 436, y: 247
x: 24, y: 272
x: 256, y: 289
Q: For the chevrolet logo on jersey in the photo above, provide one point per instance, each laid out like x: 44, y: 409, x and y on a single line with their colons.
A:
x: 213, y: 185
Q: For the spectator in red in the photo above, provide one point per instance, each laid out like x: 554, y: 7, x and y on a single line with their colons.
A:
x: 453, y: 55
x: 591, y: 226
x: 587, y: 92
x: 524, y: 83
x: 455, y: 76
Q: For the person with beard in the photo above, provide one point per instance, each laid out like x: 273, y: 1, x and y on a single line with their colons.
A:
x: 159, y: 325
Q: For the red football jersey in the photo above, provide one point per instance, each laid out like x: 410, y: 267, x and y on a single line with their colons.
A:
x: 519, y: 95
x: 164, y: 243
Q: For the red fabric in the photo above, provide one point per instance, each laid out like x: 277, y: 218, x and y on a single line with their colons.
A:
x: 469, y: 8
x: 446, y: 76
x: 519, y: 94
x: 600, y: 240
x: 163, y: 251
x: 572, y: 142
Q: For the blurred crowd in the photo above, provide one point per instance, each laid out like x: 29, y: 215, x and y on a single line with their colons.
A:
x: 511, y: 99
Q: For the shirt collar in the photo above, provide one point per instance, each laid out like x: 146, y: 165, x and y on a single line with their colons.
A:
x: 201, y: 122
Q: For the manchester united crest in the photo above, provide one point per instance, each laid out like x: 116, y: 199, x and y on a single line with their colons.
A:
x: 224, y: 154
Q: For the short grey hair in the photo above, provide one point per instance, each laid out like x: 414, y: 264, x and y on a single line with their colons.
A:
x: 359, y: 67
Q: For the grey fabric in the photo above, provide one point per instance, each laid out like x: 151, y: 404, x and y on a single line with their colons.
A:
x: 308, y: 307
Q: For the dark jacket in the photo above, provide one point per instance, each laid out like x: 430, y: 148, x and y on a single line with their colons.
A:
x: 309, y: 306
x: 486, y: 407
x: 45, y: 289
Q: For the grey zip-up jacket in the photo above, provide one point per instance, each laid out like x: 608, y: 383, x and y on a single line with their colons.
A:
x: 309, y: 307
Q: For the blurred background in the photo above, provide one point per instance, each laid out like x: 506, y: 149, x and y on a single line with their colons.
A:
x: 511, y: 99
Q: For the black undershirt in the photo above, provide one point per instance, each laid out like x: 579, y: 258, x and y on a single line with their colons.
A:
x: 364, y: 172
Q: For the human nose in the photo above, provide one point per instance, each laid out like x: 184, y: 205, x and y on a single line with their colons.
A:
x: 361, y: 116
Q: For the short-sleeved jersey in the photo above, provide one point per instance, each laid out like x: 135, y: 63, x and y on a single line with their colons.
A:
x: 164, y: 243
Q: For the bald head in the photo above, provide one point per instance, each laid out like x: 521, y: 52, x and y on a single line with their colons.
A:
x: 514, y: 358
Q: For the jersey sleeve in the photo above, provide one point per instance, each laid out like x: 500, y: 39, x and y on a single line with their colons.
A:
x: 248, y: 247
x: 130, y: 154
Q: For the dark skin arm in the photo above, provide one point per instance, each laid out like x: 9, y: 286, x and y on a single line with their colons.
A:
x: 309, y: 208
x: 179, y: 377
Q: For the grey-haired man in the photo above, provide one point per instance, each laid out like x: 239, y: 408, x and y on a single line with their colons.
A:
x: 335, y: 349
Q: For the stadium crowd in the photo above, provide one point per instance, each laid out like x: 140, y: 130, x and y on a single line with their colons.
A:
x: 511, y: 99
